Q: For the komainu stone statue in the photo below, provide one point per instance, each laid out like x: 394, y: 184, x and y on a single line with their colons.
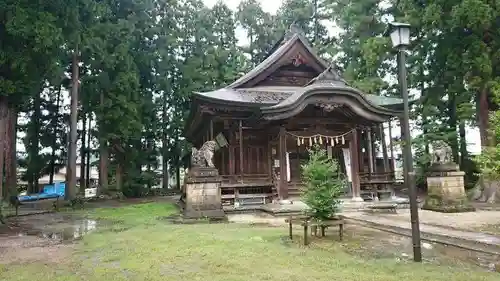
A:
x: 204, y: 156
x: 442, y: 153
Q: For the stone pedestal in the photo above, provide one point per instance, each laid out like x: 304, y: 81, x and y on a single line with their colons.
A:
x: 445, y: 190
x: 202, y: 194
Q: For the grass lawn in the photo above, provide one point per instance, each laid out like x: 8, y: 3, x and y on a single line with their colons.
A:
x: 150, y: 249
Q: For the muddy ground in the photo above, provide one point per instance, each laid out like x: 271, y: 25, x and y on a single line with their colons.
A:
x: 50, y: 238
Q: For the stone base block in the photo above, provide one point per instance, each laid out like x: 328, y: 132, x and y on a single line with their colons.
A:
x: 456, y: 207
x: 449, y: 186
x: 446, y: 192
x: 202, y: 194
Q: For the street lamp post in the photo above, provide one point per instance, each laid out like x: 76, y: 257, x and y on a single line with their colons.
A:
x: 400, y: 37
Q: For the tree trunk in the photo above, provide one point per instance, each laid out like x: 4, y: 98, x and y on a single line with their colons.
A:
x: 34, y: 150
x: 178, y: 165
x: 178, y: 173
x: 10, y: 152
x: 391, y: 146
x: 83, y: 153
x: 89, y: 143
x: 384, y: 148
x: 103, y: 153
x: 103, y: 167
x: 165, y: 145
x: 119, y: 176
x: 165, y: 172
x: 71, y: 170
x: 464, y: 154
x: 3, y: 122
x: 452, y: 125
x: 55, y: 135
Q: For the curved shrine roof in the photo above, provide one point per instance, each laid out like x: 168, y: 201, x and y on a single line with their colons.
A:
x: 272, y: 95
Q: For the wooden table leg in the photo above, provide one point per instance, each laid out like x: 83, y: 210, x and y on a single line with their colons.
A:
x: 290, y: 229
x: 306, y: 242
x: 341, y: 231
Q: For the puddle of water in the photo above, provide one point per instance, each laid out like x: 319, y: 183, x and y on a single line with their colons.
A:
x: 66, y: 233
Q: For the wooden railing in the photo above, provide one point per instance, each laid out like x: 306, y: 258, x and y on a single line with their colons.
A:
x: 247, y: 189
x: 246, y: 178
x: 375, y: 186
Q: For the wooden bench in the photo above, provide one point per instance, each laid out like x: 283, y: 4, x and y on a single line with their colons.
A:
x: 307, y: 222
x: 391, y: 208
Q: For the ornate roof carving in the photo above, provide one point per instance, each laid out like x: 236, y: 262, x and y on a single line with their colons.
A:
x: 262, y: 96
x: 329, y: 76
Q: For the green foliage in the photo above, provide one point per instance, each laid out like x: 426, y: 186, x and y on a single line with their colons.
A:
x: 324, y: 183
x: 141, y: 60
x: 488, y: 161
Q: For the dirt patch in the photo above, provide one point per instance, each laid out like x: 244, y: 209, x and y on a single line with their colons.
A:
x: 41, y: 238
x: 26, y: 249
x: 369, y: 243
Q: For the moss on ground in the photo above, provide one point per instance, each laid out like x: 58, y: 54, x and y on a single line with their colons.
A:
x: 490, y: 228
x: 435, y: 202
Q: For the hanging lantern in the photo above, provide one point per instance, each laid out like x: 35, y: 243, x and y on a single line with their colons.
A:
x: 331, y: 142
x: 298, y: 141
x: 337, y: 139
x: 343, y: 140
x: 310, y: 141
x: 302, y: 141
x: 320, y: 140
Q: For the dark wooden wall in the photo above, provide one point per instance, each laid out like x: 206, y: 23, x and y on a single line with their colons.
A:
x: 255, y: 155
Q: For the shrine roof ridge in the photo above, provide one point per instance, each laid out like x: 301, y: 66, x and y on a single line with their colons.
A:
x: 274, y: 57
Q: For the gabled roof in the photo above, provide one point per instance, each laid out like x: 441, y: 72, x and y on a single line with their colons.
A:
x: 273, y: 60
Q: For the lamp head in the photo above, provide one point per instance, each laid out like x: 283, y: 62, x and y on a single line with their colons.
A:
x: 399, y: 33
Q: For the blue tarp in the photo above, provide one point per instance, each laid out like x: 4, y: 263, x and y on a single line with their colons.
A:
x: 49, y: 191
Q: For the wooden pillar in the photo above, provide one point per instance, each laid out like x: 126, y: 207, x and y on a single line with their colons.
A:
x: 361, y: 155
x: 354, y: 148
x: 211, y: 129
x: 391, y: 146
x: 241, y: 150
x: 231, y: 152
x: 283, y: 187
x: 371, y: 168
x: 270, y: 159
x: 384, y: 148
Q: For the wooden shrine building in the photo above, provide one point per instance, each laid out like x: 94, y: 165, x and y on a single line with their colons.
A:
x: 272, y: 114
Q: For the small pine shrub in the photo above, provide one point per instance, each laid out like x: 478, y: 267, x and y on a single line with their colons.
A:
x: 324, y: 183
